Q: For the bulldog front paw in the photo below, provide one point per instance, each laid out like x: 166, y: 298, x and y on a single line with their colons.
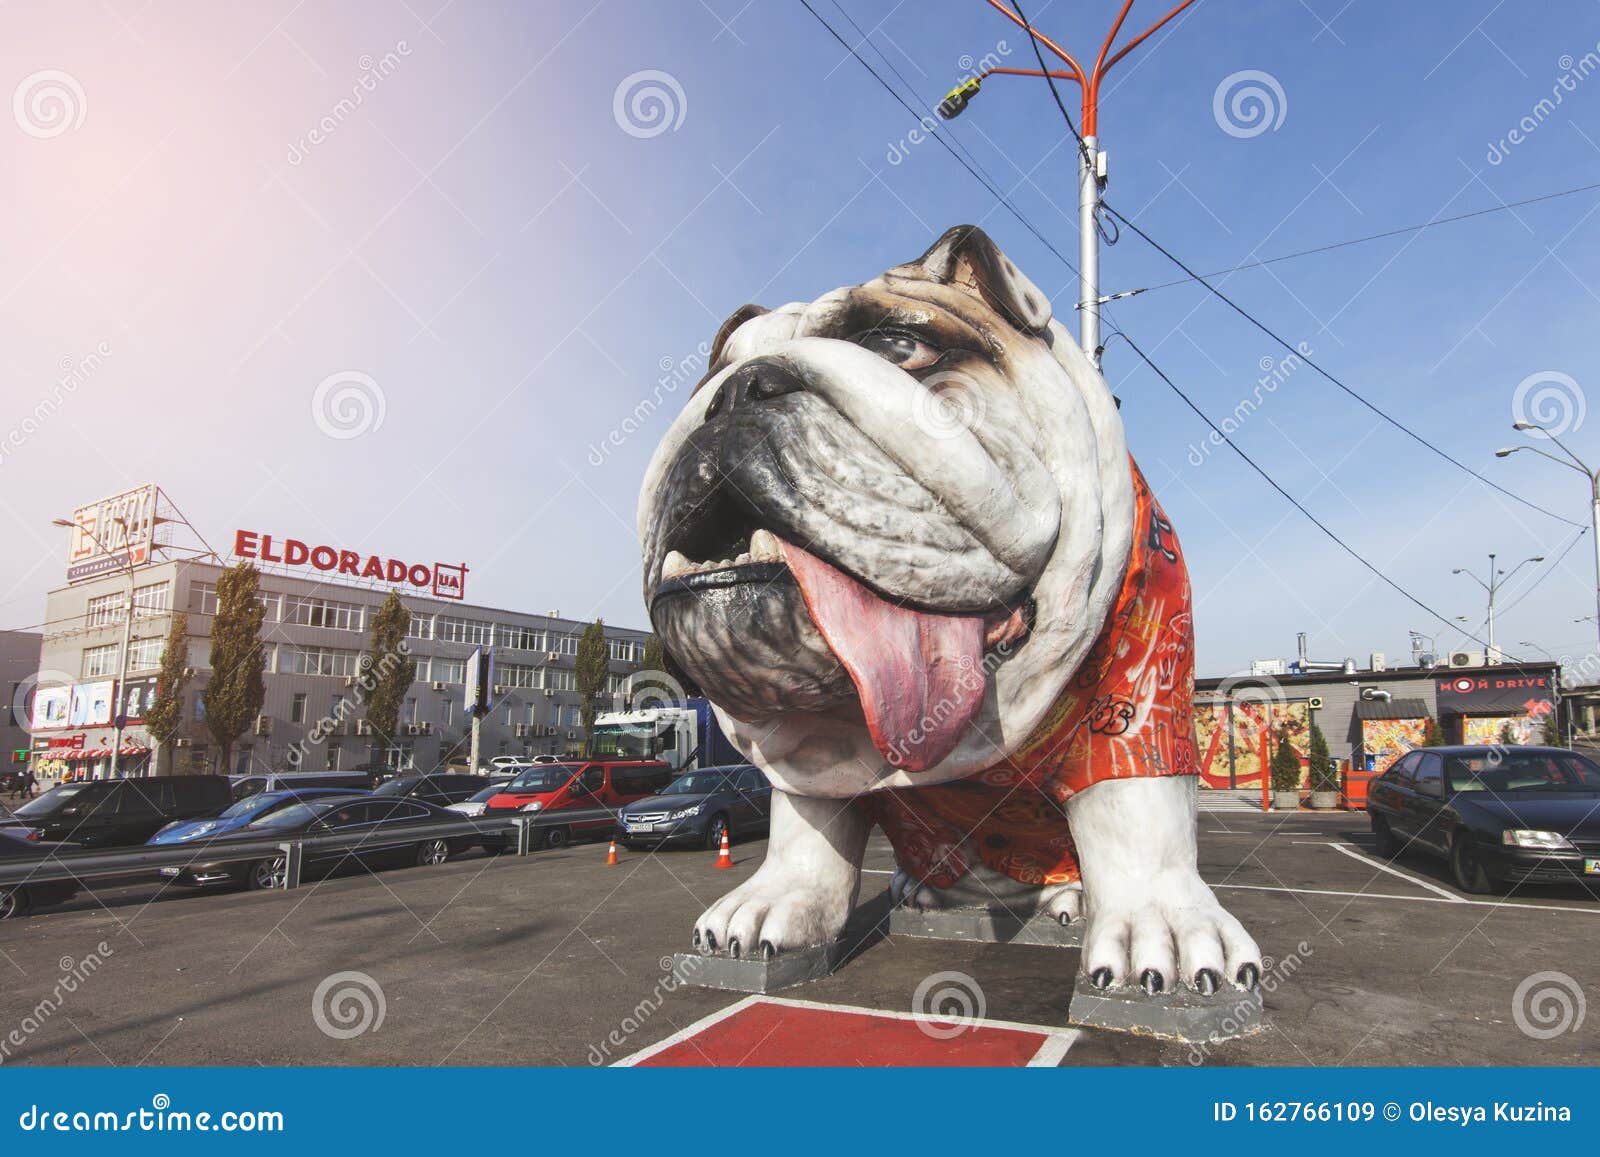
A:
x: 768, y: 914
x: 1164, y: 932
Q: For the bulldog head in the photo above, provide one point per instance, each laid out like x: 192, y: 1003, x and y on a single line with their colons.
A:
x: 889, y: 523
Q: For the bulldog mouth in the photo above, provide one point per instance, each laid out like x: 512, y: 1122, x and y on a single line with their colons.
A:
x: 919, y: 674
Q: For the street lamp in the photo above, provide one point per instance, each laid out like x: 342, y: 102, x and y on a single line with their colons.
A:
x: 1091, y: 159
x: 118, y: 717
x: 1493, y: 586
x: 1577, y: 464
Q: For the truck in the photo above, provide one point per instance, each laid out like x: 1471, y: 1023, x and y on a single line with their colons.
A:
x: 684, y: 732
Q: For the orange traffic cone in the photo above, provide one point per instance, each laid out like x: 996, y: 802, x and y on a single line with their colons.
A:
x: 611, y: 854
x: 725, y: 855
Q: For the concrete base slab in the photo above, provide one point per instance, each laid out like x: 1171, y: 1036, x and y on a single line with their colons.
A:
x: 785, y: 970
x: 985, y: 926
x: 1182, y: 1016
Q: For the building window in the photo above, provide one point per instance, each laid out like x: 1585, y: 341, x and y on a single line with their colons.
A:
x: 622, y: 650
x: 421, y: 627
x: 564, y: 644
x: 511, y: 711
x: 557, y: 679
x: 151, y: 600
x: 205, y: 596
x: 447, y: 710
x: 99, y: 660
x: 199, y: 707
x: 408, y: 713
x: 333, y: 757
x: 297, y: 708
x: 145, y: 654
x: 298, y: 660
x: 309, y: 612
x: 448, y: 670
x: 104, y: 610
x: 473, y: 632
x: 514, y: 675
x: 521, y: 638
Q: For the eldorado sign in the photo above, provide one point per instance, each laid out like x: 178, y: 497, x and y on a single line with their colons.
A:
x: 440, y: 580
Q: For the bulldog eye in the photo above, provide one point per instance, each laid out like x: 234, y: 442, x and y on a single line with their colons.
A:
x: 905, y: 350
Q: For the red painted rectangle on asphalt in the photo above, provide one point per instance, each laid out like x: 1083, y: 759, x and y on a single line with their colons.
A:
x: 765, y: 1031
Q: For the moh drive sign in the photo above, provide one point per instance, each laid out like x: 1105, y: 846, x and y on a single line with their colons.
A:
x: 439, y: 580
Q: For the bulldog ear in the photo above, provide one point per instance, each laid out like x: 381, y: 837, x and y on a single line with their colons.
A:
x: 966, y: 257
x: 737, y: 318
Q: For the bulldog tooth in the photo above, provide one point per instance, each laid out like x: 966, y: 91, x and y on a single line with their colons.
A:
x: 764, y: 547
x: 742, y: 559
x: 675, y: 564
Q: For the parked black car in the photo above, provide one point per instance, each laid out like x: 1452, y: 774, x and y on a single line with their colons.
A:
x: 1497, y: 814
x: 110, y: 813
x: 698, y: 807
x: 388, y: 826
x: 15, y: 899
x: 441, y: 790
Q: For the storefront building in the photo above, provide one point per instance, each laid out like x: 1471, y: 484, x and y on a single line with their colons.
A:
x: 317, y: 625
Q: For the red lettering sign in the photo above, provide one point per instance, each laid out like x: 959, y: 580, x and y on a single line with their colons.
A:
x: 442, y: 581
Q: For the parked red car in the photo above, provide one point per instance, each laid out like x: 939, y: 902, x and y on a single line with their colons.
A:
x: 587, y: 794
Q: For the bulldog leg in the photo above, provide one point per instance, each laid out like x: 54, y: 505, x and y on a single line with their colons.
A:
x: 983, y: 887
x: 1152, y: 920
x: 804, y: 890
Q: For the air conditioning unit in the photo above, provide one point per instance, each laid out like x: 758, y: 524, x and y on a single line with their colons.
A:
x: 425, y: 728
x: 499, y: 688
x: 363, y: 727
x: 572, y: 735
x: 1378, y: 662
x: 350, y: 680
x: 337, y: 728
x: 263, y: 725
x: 549, y: 693
x: 188, y: 672
x: 520, y: 731
x: 183, y: 743
x: 437, y: 684
x: 1467, y: 659
x: 552, y: 656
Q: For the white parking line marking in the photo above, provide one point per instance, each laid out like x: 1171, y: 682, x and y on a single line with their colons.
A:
x: 1501, y: 904
x: 1406, y: 876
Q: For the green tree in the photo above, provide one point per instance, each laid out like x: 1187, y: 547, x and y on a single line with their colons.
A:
x: 1285, y: 766
x: 1432, y: 736
x: 593, y: 665
x: 655, y: 656
x: 234, y: 694
x: 1550, y: 730
x: 387, y: 671
x: 165, y: 713
x: 1324, y: 772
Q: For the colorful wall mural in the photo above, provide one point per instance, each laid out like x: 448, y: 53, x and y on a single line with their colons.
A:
x: 1385, y: 740
x: 1525, y: 729
x: 1237, y: 737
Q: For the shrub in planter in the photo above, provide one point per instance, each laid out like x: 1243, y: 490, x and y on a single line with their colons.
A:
x: 1324, y: 772
x: 1285, y: 775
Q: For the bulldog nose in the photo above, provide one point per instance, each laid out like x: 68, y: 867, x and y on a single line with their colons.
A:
x: 758, y: 381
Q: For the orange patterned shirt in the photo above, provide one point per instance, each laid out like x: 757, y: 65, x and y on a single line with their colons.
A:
x: 1129, y: 711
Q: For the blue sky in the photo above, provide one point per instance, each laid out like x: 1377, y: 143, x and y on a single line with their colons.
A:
x: 480, y: 239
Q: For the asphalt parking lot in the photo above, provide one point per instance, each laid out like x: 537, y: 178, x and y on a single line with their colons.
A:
x: 554, y: 958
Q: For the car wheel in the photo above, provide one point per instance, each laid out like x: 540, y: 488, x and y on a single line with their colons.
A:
x: 1384, y: 842
x: 556, y: 838
x: 13, y: 902
x: 1467, y: 868
x: 273, y: 873
x: 714, y: 830
x: 433, y: 852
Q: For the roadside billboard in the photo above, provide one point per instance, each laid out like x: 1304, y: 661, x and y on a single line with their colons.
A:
x: 112, y: 534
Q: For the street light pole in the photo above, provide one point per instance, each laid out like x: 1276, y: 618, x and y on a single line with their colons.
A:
x: 1091, y: 160
x: 1496, y: 580
x: 1581, y: 467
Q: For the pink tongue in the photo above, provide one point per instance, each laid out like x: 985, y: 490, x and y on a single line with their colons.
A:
x: 920, y: 676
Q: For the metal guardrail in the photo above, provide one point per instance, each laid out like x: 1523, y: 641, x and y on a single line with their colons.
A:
x: 520, y: 833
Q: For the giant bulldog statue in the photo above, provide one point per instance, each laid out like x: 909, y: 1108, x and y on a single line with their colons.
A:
x: 897, y: 539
